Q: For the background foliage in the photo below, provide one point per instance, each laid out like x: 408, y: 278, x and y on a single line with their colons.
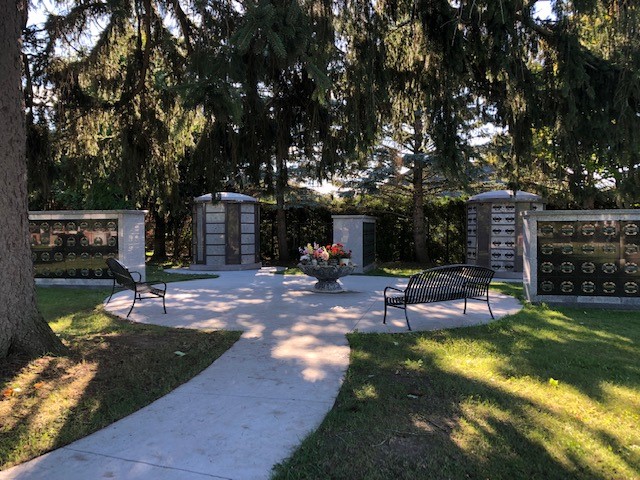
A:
x: 149, y: 103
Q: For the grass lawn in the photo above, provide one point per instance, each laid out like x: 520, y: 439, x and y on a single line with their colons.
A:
x: 156, y: 273
x: 549, y: 393
x: 113, y: 369
x: 398, y: 269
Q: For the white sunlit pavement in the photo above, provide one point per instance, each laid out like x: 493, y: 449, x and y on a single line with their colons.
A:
x: 253, y: 406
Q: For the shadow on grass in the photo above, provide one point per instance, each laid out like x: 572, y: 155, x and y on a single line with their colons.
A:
x: 583, y: 348
x: 545, y: 394
x: 114, y: 368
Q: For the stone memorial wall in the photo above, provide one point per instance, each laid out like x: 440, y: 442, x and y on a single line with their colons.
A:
x: 583, y: 256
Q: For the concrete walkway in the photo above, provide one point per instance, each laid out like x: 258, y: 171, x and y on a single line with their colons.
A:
x: 254, y: 405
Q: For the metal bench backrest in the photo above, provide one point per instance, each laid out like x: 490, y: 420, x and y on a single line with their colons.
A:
x: 479, y: 280
x: 121, y: 274
x: 436, y: 284
x: 450, y: 282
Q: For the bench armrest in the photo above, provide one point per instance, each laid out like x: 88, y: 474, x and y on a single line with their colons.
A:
x: 137, y: 273
x: 392, y: 288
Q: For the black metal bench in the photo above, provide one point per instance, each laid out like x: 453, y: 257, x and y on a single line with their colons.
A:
x: 441, y: 284
x: 141, y: 290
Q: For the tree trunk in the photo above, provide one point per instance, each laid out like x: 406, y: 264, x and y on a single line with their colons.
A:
x: 419, y: 233
x: 22, y: 327
x: 281, y: 217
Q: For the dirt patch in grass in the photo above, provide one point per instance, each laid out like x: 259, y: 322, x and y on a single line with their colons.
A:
x: 51, y: 401
x: 419, y: 438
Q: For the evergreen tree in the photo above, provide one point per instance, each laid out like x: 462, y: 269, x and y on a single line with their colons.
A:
x: 23, y: 330
x: 279, y: 56
x: 573, y: 74
x: 121, y: 130
x: 429, y: 101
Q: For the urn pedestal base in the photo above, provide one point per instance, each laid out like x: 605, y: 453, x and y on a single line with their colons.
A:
x: 327, y: 276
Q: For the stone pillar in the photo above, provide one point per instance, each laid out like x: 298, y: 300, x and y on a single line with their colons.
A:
x: 358, y: 234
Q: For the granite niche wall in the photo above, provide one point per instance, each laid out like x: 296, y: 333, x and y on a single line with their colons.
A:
x: 358, y: 234
x: 494, y: 230
x: 70, y: 247
x: 226, y: 232
x: 583, y: 257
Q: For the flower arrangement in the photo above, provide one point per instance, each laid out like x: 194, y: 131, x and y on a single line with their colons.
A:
x: 337, y: 250
x: 323, y: 254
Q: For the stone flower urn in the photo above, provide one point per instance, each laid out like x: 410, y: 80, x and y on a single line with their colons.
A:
x: 327, y: 276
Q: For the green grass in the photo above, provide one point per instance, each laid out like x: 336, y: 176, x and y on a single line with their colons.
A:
x: 114, y: 368
x: 544, y: 394
x: 397, y: 269
x: 156, y: 273
x: 289, y: 271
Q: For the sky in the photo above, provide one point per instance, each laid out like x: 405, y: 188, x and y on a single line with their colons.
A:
x: 37, y: 14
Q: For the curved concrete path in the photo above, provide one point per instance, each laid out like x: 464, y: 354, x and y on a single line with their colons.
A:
x: 252, y: 407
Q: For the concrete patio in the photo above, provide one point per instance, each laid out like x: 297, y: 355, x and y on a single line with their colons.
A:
x: 252, y: 407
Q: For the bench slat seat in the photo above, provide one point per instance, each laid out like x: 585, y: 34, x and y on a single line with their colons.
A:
x: 441, y: 284
x: 146, y: 288
x: 141, y: 290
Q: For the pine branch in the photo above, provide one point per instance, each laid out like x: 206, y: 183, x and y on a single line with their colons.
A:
x: 147, y: 49
x: 185, y: 25
x: 542, y: 30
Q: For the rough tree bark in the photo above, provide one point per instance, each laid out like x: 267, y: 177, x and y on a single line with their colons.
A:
x: 22, y: 327
x: 419, y: 230
x: 281, y: 214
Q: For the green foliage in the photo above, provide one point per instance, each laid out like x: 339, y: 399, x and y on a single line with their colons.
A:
x: 570, y: 78
x: 305, y: 223
x: 445, y: 227
x: 430, y: 101
x: 311, y: 221
x: 160, y: 104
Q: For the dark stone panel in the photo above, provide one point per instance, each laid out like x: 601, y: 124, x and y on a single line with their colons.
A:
x: 368, y: 243
x: 483, y: 250
x: 589, y: 258
x: 233, y: 234
x: 73, y: 248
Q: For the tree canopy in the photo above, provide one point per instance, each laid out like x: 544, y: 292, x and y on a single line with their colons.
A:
x: 151, y: 102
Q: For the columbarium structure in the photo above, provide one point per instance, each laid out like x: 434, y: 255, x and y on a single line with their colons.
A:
x: 494, y: 229
x: 70, y: 247
x: 226, y: 232
x: 583, y: 257
x: 358, y: 234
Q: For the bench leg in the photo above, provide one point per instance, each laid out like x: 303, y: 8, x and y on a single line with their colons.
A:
x: 406, y: 317
x: 488, y: 305
x: 132, y: 305
x: 164, y: 307
x: 384, y: 320
x: 113, y: 289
